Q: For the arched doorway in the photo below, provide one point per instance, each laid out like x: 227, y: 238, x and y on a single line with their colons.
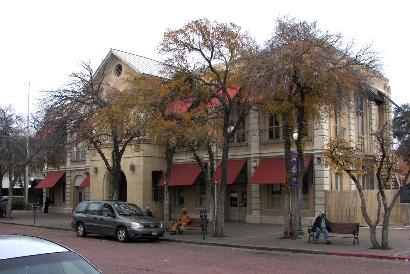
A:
x: 109, y: 190
x: 123, y: 188
x: 79, y: 191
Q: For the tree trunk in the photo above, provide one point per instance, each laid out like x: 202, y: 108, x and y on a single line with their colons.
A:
x: 373, y: 237
x: 166, y: 207
x: 286, y: 217
x: 169, y: 156
x: 10, y: 200
x: 221, y: 190
x: 1, y: 183
x: 386, y: 219
x: 210, y: 186
x: 385, y: 229
x: 288, y: 231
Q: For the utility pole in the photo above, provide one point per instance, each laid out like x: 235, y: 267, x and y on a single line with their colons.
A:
x: 27, y: 144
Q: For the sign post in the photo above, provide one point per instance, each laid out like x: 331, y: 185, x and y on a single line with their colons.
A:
x: 295, y: 170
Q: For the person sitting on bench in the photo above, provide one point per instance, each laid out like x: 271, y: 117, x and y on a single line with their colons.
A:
x: 183, y: 221
x: 321, y: 224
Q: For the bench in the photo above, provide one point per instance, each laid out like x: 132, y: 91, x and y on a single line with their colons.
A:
x: 339, y: 228
x: 196, y: 224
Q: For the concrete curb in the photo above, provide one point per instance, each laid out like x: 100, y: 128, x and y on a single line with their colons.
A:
x: 38, y: 226
x: 301, y: 251
x: 258, y: 248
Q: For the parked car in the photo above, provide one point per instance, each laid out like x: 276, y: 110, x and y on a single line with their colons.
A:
x: 119, y: 219
x: 29, y: 255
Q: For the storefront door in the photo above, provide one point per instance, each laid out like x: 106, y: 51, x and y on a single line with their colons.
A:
x: 237, y: 202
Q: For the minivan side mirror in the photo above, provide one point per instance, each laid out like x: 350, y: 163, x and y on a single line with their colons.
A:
x: 111, y: 214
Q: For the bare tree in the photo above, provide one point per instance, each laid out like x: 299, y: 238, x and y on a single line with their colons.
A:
x: 99, y: 113
x: 14, y: 158
x: 391, y: 172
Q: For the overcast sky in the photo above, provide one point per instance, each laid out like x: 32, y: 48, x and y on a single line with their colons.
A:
x: 43, y: 41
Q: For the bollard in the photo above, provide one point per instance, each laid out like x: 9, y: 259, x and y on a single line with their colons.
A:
x: 204, y: 222
x: 34, y: 213
x: 35, y: 205
x: 301, y: 232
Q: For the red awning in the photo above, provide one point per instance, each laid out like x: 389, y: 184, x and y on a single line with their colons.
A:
x: 272, y: 171
x: 51, y: 179
x: 234, y: 168
x: 183, y: 175
x: 86, y: 182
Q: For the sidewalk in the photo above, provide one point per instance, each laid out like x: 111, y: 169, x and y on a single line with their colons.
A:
x: 256, y: 237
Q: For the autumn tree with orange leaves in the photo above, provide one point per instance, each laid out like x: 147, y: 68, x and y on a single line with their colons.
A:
x: 303, y: 73
x: 214, y: 55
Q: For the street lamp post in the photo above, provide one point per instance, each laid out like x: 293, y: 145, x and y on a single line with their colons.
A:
x: 296, y: 178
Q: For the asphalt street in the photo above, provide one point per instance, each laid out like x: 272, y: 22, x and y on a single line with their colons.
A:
x: 167, y: 257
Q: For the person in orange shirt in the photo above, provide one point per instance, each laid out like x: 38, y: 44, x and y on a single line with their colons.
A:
x: 183, y: 221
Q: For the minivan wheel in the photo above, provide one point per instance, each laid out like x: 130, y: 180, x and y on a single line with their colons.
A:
x: 80, y: 230
x: 122, y: 234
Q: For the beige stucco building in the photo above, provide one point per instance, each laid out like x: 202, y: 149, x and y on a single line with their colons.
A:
x: 256, y: 168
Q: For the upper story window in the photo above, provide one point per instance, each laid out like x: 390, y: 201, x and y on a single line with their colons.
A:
x: 240, y: 134
x: 381, y: 110
x: 79, y: 152
x: 360, y: 116
x: 274, y: 129
x: 339, y: 130
x: 118, y: 70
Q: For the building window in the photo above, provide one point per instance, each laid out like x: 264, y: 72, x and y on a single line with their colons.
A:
x: 370, y: 181
x: 79, y: 152
x: 360, y: 122
x: 339, y: 130
x: 64, y: 184
x: 118, y: 70
x: 200, y: 195
x: 370, y: 112
x: 367, y: 181
x: 156, y: 191
x: 273, y: 127
x: 338, y: 181
x: 308, y: 177
x: 51, y: 195
x: 233, y: 199
x: 240, y: 134
x: 179, y: 197
x: 381, y: 110
x: 276, y: 196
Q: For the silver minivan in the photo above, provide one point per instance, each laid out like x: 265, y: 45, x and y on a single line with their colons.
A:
x: 119, y: 219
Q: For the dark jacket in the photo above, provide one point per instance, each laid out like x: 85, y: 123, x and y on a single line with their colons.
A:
x: 318, y: 221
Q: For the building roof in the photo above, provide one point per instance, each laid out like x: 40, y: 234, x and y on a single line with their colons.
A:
x: 142, y: 64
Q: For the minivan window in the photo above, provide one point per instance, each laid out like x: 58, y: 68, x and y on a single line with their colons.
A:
x: 94, y: 208
x: 127, y: 209
x: 81, y: 207
x: 107, y: 210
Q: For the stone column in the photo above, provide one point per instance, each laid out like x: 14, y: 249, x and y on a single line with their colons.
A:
x: 68, y: 205
x: 321, y: 173
x: 352, y: 133
x: 255, y: 192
